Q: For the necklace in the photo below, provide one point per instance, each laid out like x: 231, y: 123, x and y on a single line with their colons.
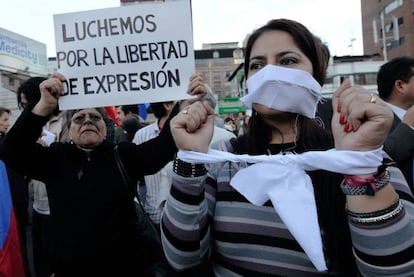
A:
x: 283, y: 149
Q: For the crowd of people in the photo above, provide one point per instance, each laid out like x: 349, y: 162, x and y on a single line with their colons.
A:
x: 268, y: 192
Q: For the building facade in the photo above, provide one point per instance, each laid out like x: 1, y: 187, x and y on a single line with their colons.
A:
x: 388, y: 28
x: 217, y: 62
x: 20, y: 58
x: 361, y: 70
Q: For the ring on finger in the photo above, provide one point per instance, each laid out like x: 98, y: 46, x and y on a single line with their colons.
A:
x: 185, y: 111
x: 373, y: 98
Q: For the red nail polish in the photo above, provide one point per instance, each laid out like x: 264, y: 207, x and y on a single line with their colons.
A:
x: 342, y: 119
x: 339, y: 107
x: 346, y: 128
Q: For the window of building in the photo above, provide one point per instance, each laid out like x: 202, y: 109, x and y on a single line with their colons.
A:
x: 222, y: 62
x: 365, y: 79
x: 395, y: 43
x: 216, y: 75
x: 12, y: 81
x: 374, y: 28
x: 238, y: 56
x: 392, y: 6
x: 388, y: 27
x: 394, y: 24
x: 201, y: 62
x: 329, y: 80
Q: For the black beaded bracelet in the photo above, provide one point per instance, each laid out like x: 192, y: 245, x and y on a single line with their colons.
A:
x: 185, y: 169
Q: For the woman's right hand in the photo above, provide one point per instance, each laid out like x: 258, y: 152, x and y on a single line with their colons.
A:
x: 50, y: 90
x: 192, y: 128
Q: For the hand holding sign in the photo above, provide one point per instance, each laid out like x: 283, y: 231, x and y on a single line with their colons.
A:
x: 50, y: 89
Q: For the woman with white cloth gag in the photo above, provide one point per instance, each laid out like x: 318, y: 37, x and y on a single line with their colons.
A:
x: 286, y: 199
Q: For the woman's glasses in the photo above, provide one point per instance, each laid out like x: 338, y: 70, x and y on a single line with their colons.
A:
x: 81, y: 118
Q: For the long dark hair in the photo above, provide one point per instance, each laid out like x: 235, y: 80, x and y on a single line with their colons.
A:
x: 330, y: 200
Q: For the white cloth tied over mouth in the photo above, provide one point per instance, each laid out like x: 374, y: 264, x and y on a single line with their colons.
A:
x: 285, y: 89
x: 283, y: 180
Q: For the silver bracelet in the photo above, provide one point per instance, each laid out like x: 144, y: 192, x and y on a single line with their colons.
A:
x: 381, y: 218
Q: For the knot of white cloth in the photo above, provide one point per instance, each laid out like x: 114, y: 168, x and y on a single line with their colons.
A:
x: 283, y: 180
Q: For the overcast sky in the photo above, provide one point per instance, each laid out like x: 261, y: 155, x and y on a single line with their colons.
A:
x: 338, y: 23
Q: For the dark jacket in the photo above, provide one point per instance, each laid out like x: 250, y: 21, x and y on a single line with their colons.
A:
x: 400, y: 146
x: 90, y: 212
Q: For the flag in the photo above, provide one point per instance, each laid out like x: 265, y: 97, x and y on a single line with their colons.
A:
x: 11, y: 258
x: 111, y: 113
x: 142, y: 110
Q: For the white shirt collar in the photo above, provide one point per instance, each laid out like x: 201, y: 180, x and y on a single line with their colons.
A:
x: 397, y: 110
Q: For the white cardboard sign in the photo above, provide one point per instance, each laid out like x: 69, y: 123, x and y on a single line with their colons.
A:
x: 126, y: 55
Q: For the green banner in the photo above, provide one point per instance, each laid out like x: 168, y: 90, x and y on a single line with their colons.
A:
x: 230, y: 105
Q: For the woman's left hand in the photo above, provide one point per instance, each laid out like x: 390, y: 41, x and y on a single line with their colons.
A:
x: 361, y: 120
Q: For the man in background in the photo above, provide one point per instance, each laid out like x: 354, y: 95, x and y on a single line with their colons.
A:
x: 130, y: 122
x: 157, y: 185
x: 395, y: 83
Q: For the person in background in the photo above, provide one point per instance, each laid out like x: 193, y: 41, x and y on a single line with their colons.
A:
x: 244, y: 121
x: 4, y: 120
x: 55, y: 129
x: 19, y: 194
x: 130, y: 122
x: 125, y: 111
x: 91, y: 216
x: 111, y: 122
x: 230, y: 125
x: 362, y: 223
x: 157, y: 185
x: 395, y: 83
x: 395, y: 87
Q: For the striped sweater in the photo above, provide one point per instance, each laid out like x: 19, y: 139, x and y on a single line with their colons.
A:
x: 206, y: 220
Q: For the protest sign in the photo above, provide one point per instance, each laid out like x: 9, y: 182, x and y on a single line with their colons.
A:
x: 131, y: 54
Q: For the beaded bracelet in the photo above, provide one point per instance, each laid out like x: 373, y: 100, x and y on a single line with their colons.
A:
x: 375, y: 213
x: 185, y: 169
x: 390, y: 214
x: 354, y: 185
